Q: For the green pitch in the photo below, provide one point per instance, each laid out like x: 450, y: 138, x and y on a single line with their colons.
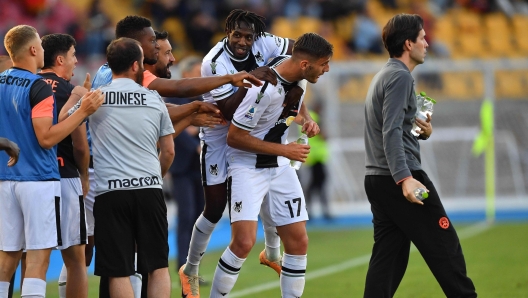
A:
x: 496, y: 257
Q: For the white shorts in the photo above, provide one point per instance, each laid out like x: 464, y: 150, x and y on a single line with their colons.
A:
x: 89, y: 203
x: 73, y: 220
x: 29, y: 215
x: 213, y: 160
x: 275, y: 193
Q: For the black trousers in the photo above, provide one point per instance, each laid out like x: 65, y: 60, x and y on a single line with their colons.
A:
x: 397, y: 222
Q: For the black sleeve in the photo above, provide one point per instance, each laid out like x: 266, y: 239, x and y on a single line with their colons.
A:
x: 39, y: 92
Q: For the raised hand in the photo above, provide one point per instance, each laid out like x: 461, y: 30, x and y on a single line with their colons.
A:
x: 87, y: 82
x: 264, y: 73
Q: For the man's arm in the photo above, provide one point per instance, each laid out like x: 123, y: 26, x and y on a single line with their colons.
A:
x: 241, y: 139
x: 48, y: 135
x: 77, y: 93
x: 166, y: 153
x: 309, y: 126
x: 11, y: 148
x: 81, y: 155
x: 196, y: 86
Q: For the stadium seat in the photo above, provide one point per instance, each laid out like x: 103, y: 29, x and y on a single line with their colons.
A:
x: 511, y: 84
x: 463, y: 86
x: 283, y: 27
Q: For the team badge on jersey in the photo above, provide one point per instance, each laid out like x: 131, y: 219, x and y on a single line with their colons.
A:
x: 250, y: 113
x: 213, y: 169
x: 278, y: 41
x: 238, y: 206
x: 259, y: 57
x: 280, y: 91
x: 232, y: 71
x: 213, y: 67
x: 259, y: 97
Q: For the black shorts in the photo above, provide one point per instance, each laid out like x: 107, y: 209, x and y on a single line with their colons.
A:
x: 123, y: 219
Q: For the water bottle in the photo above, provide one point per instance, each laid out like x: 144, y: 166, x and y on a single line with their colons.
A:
x: 421, y: 194
x: 424, y: 107
x: 303, y: 139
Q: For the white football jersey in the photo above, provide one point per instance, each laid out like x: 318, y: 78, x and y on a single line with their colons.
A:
x: 260, y: 113
x: 221, y: 61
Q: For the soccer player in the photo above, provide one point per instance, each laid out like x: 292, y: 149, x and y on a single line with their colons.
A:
x: 259, y: 176
x: 394, y: 172
x: 246, y: 47
x: 129, y: 208
x: 30, y: 190
x: 73, y: 156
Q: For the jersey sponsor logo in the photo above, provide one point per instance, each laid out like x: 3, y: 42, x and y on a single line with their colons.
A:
x: 133, y: 182
x: 238, y: 206
x: 444, y: 223
x: 213, y: 169
x: 11, y: 80
x: 250, y: 113
x: 213, y: 67
x: 259, y: 57
x: 125, y: 98
x: 259, y: 97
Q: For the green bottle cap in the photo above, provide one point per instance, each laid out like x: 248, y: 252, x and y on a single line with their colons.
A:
x: 425, y: 195
x: 422, y: 94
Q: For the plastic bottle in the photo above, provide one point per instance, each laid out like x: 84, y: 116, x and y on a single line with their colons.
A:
x: 303, y: 139
x: 421, y: 194
x: 426, y: 108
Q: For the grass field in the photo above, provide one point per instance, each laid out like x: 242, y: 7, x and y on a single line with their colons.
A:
x: 496, y: 257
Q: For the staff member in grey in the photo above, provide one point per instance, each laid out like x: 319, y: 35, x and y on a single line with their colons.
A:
x: 129, y: 206
x: 394, y: 172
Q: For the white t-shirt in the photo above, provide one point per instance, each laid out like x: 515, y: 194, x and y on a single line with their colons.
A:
x: 260, y: 113
x: 221, y: 61
x: 125, y: 132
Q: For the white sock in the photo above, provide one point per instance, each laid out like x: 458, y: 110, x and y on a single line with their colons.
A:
x: 226, y: 274
x: 62, y: 281
x: 33, y: 288
x: 272, y: 241
x: 292, y: 275
x: 4, y: 289
x: 201, y: 235
x: 136, y: 280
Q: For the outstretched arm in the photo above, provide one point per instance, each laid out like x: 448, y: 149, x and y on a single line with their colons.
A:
x: 196, y: 86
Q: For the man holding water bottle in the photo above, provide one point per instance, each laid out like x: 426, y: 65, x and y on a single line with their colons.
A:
x: 394, y: 173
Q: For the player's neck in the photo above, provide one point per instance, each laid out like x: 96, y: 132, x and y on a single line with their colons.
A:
x: 56, y: 70
x: 27, y: 64
x: 406, y: 59
x: 289, y: 71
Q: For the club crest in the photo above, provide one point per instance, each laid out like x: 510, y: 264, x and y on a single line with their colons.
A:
x: 213, y: 169
x: 238, y: 206
x: 213, y: 67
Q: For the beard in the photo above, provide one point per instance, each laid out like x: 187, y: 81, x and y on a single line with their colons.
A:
x: 150, y: 61
x: 163, y: 71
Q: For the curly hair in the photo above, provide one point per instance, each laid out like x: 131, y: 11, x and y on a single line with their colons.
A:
x: 238, y: 15
x: 131, y: 26
x: 55, y: 45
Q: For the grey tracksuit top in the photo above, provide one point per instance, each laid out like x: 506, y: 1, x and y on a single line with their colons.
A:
x: 390, y: 108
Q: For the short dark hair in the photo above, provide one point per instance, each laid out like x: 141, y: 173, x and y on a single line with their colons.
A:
x: 122, y: 53
x: 55, y: 45
x: 313, y: 45
x: 131, y: 26
x: 398, y: 29
x: 161, y: 35
x: 239, y: 15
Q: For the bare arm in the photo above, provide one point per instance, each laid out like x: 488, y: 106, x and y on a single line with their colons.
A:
x: 196, y: 86
x: 77, y: 93
x: 241, y: 139
x: 48, y: 135
x: 166, y: 153
x: 81, y: 155
x: 309, y: 127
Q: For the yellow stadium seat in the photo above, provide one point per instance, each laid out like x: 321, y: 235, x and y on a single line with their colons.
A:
x: 463, y: 86
x: 306, y: 24
x: 511, y: 84
x: 471, y: 45
x: 283, y: 27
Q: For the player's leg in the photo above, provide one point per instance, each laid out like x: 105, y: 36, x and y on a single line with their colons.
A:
x: 114, y: 214
x: 11, y: 234
x: 246, y: 189
x: 214, y: 174
x: 287, y: 209
x: 270, y: 256
x: 74, y: 238
x: 42, y: 231
x: 151, y: 238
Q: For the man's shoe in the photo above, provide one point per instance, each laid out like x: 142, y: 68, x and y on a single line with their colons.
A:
x: 189, y: 284
x: 273, y: 265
